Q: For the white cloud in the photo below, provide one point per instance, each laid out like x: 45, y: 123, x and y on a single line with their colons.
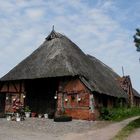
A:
x: 25, y: 24
x: 34, y: 13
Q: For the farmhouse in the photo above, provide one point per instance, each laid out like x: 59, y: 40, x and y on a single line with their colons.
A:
x: 59, y: 77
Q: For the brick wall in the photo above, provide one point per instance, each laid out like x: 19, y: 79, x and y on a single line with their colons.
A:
x: 12, y: 90
x: 74, y: 100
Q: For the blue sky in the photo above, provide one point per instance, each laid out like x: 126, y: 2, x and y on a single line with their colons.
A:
x: 102, y: 28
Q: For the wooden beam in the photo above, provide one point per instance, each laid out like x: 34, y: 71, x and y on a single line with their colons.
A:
x: 20, y: 86
x: 8, y: 86
x: 1, y: 85
x: 15, y: 87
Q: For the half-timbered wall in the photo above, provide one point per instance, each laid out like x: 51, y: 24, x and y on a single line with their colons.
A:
x: 12, y: 90
x: 76, y: 100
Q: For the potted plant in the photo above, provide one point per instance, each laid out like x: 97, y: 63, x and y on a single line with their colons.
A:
x: 46, y: 116
x: 27, y: 111
x: 18, y: 119
x: 8, y: 117
x: 17, y: 115
x: 39, y: 115
x: 33, y: 114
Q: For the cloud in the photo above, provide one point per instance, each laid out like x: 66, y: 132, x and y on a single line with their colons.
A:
x: 34, y: 14
x: 93, y: 26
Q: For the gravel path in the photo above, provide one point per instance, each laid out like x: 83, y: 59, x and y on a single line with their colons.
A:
x: 105, y: 133
x: 46, y: 129
x: 42, y: 129
x: 135, y: 135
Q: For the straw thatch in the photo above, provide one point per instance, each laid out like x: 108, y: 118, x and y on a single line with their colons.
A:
x: 58, y: 56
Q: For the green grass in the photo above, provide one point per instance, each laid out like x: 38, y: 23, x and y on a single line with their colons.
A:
x: 118, y: 114
x: 127, y: 130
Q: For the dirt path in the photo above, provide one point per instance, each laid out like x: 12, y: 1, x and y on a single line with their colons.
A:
x: 105, y: 133
x: 42, y: 129
x: 135, y: 135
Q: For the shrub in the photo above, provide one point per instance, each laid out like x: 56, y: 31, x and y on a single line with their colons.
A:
x: 105, y: 114
x: 27, y: 109
x: 118, y: 114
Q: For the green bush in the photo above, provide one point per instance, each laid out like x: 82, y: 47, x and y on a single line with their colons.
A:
x: 118, y: 114
x: 105, y: 114
x: 27, y: 109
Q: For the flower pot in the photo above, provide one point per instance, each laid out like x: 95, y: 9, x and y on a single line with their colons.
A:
x: 39, y: 116
x: 45, y: 116
x: 18, y: 119
x: 17, y: 114
x: 8, y: 118
x: 33, y: 114
x: 27, y: 114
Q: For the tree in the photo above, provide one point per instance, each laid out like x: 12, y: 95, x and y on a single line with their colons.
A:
x: 137, y: 39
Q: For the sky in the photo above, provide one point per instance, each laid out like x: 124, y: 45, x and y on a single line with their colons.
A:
x: 102, y: 28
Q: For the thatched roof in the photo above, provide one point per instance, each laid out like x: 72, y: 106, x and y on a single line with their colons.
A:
x: 58, y: 56
x: 105, y: 70
x: 136, y: 94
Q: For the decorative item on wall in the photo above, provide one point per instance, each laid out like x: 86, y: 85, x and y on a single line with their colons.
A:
x: 73, y: 97
x: 24, y: 96
x: 79, y: 99
x: 55, y: 97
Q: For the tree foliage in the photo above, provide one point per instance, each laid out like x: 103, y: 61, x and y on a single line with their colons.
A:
x: 137, y: 39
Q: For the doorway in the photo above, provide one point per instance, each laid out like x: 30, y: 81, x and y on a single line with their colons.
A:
x: 2, y: 102
x: 40, y: 95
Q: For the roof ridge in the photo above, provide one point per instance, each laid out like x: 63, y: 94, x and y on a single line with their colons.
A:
x: 53, y: 34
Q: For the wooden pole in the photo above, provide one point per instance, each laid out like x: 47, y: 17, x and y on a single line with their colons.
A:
x: 122, y: 70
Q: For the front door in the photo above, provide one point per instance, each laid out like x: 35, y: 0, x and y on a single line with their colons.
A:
x: 2, y: 102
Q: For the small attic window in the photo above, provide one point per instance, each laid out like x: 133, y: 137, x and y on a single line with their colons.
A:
x: 52, y: 35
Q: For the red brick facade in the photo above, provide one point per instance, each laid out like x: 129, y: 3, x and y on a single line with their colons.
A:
x: 74, y: 100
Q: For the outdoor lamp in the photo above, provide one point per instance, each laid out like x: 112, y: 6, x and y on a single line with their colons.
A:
x: 55, y: 97
x: 24, y: 96
x: 79, y: 99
